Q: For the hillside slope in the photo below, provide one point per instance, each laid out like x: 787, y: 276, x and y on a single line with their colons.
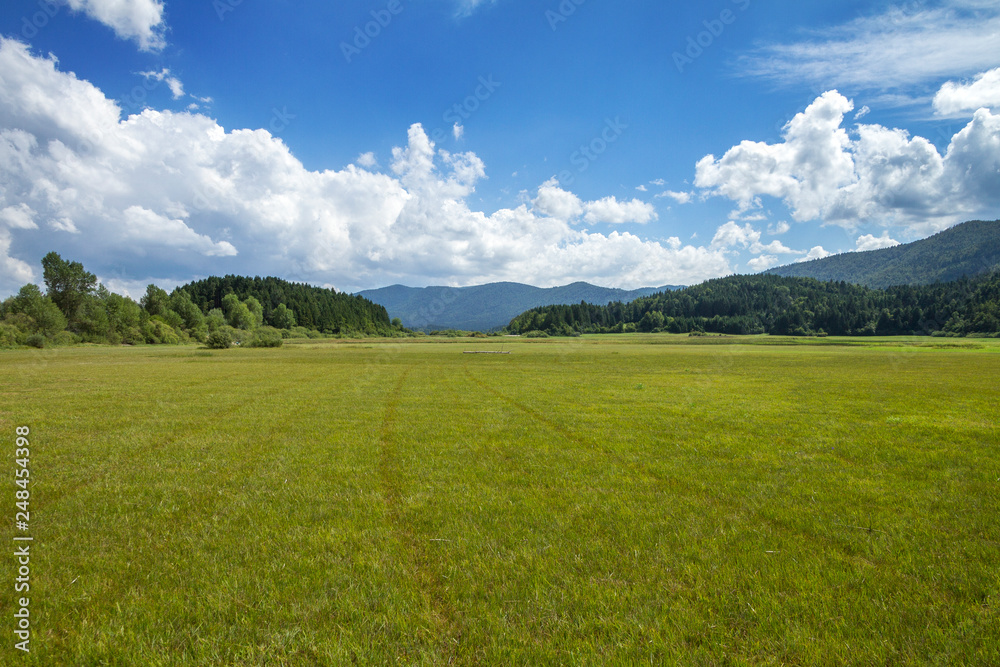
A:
x: 967, y: 249
x: 486, y: 307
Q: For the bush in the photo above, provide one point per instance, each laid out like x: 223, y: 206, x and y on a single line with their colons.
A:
x: 219, y: 340
x: 35, y: 340
x: 266, y: 337
x: 133, y: 336
x: 65, y: 338
x: 156, y: 331
x: 536, y: 334
x: 10, y: 336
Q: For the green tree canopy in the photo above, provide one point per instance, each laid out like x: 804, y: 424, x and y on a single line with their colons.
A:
x: 68, y: 283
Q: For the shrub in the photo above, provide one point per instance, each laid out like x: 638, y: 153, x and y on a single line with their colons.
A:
x: 10, y: 335
x: 266, y: 337
x: 133, y: 336
x: 156, y: 331
x: 219, y: 340
x: 35, y: 340
x: 65, y: 338
x: 536, y: 334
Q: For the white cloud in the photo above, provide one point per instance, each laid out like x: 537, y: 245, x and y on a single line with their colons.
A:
x: 817, y: 252
x: 13, y: 272
x: 862, y: 112
x: 763, y: 262
x: 18, y: 217
x: 367, y: 160
x: 731, y: 235
x: 776, y: 247
x: 467, y: 7
x: 778, y: 228
x: 175, y: 85
x: 659, y: 182
x: 174, y: 196
x: 902, y: 47
x: 872, y: 242
x: 957, y: 98
x: 679, y: 197
x: 611, y: 211
x: 882, y: 175
x: 554, y: 202
x: 641, y: 188
x: 458, y: 131
x: 139, y: 20
x: 805, y: 170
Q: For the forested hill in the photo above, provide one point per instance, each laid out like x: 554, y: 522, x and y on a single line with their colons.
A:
x: 486, y: 307
x: 313, y: 307
x: 964, y: 250
x: 787, y: 306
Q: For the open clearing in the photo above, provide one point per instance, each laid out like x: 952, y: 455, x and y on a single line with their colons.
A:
x: 607, y: 500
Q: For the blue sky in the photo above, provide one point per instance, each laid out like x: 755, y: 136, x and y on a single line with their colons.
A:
x: 361, y: 144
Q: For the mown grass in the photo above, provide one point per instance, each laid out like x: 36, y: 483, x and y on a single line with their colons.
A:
x: 605, y: 500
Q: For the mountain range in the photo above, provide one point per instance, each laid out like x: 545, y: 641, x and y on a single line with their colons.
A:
x: 967, y: 249
x: 487, y: 307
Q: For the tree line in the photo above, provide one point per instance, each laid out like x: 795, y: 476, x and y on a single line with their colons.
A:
x: 220, y: 312
x: 769, y: 304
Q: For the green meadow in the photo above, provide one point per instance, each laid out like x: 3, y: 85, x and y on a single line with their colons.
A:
x: 610, y: 500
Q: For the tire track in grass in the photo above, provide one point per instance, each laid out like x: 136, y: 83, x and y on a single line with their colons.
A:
x: 434, y: 593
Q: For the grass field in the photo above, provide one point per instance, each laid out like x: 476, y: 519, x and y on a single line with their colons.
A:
x: 595, y: 501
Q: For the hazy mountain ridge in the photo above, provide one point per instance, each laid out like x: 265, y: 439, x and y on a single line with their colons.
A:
x: 490, y: 306
x: 967, y: 249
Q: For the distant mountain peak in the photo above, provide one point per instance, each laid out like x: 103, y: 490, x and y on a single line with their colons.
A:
x: 967, y: 249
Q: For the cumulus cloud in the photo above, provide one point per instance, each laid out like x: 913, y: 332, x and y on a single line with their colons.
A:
x: 762, y: 263
x: 175, y: 85
x: 138, y: 20
x: 611, y: 211
x: 18, y: 217
x: 367, y: 160
x: 175, y: 195
x: 817, y: 252
x: 957, y: 98
x: 882, y: 174
x: 679, y: 197
x: 554, y: 202
x: 778, y: 228
x: 732, y: 235
x: 872, y: 242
